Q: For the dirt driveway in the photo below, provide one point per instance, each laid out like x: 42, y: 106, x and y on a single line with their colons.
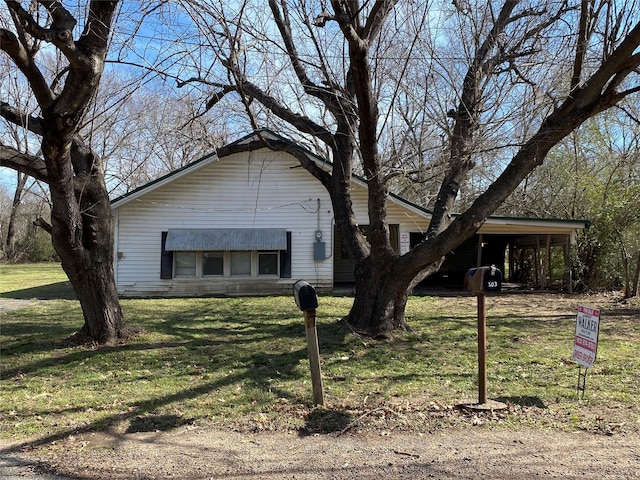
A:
x: 201, y: 453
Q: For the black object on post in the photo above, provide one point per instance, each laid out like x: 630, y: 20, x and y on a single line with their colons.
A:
x: 305, y: 295
x: 307, y: 301
x: 483, y: 279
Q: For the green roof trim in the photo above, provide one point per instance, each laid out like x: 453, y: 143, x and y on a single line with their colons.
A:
x: 587, y: 223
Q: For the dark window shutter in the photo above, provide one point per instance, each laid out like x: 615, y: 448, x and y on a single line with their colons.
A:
x: 166, y: 260
x: 285, y: 259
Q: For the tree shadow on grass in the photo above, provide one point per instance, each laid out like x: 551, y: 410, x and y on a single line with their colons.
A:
x: 523, y: 401
x: 53, y: 291
x: 143, y: 416
x: 156, y: 423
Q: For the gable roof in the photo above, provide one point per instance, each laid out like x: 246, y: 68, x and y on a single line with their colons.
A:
x: 515, y: 224
x: 213, y: 157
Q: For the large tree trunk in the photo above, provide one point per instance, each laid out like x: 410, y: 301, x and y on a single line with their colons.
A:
x: 82, y: 235
x: 81, y: 224
x: 103, y: 319
x: 381, y: 298
x: 89, y: 267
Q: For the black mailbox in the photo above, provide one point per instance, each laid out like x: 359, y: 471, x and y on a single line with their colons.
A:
x: 305, y: 295
x: 483, y: 279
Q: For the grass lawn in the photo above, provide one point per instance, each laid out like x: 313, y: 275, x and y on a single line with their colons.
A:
x: 242, y: 362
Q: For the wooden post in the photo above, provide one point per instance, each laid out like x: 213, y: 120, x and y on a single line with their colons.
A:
x: 568, y: 282
x: 540, y: 274
x: 482, y: 350
x: 547, y: 262
x: 314, y: 356
x: 512, y: 263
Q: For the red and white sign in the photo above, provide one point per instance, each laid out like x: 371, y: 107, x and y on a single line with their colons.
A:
x: 585, y: 344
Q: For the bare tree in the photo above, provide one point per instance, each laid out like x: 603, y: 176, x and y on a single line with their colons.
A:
x: 332, y: 75
x: 142, y: 130
x: 81, y: 225
x: 10, y: 243
x: 16, y: 137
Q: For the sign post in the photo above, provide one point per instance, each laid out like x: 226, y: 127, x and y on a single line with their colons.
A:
x: 585, y: 343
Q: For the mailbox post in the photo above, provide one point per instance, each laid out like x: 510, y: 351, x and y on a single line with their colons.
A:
x: 307, y: 301
x: 479, y: 281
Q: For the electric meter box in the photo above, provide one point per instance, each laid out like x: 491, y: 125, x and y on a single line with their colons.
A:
x: 319, y: 249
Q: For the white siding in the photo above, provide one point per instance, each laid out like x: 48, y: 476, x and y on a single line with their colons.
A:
x: 406, y: 219
x: 260, y: 189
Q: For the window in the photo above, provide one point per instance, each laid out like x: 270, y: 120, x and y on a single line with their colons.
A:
x: 268, y: 263
x: 213, y: 263
x: 245, y: 252
x: 185, y: 264
x: 240, y: 263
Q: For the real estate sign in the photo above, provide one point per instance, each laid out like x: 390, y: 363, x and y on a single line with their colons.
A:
x: 585, y: 344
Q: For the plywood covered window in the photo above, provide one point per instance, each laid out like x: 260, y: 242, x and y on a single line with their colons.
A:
x: 213, y: 263
x: 268, y: 263
x: 240, y: 263
x: 185, y: 264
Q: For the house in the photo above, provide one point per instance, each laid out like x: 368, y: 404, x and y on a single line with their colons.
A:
x: 255, y: 221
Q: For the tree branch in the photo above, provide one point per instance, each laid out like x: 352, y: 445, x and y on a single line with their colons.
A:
x: 331, y: 97
x: 613, y: 70
x: 581, y: 47
x: 43, y: 224
x: 376, y: 18
x: 97, y: 29
x: 27, y: 23
x: 584, y: 103
x: 10, y: 44
x: 23, y: 162
x: 466, y: 119
x: 301, y: 122
x: 79, y: 150
x: 13, y: 115
x: 62, y: 25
